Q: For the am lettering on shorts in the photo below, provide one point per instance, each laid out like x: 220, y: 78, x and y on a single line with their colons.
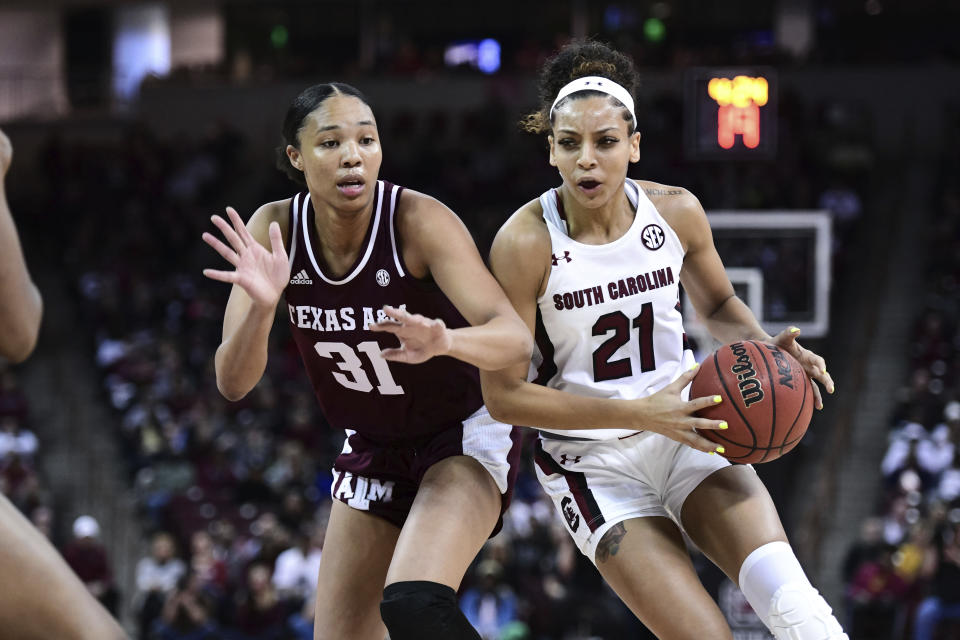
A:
x: 330, y: 318
x: 359, y: 491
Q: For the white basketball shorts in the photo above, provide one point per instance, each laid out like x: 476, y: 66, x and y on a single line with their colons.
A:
x: 596, y: 484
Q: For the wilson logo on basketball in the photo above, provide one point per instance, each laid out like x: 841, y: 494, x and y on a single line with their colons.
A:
x: 750, y: 388
x: 652, y: 237
x: 783, y: 367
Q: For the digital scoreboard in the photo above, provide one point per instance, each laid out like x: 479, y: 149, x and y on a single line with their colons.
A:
x: 730, y: 113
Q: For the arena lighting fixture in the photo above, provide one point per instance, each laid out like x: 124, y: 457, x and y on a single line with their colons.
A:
x: 483, y: 55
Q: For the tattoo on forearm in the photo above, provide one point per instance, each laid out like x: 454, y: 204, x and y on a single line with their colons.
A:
x: 663, y: 192
x: 610, y: 542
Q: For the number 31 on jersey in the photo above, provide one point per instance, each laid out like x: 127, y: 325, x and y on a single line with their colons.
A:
x: 353, y: 375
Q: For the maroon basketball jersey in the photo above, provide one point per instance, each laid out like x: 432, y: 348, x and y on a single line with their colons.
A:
x: 330, y: 316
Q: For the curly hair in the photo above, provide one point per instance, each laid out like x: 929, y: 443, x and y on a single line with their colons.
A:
x: 302, y: 106
x: 575, y: 60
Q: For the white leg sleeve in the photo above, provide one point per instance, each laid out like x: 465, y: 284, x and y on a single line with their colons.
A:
x: 775, y: 585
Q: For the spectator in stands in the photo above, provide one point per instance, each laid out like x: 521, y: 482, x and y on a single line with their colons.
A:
x: 260, y: 613
x: 491, y: 605
x: 157, y: 576
x: 896, y: 521
x: 944, y: 600
x: 876, y: 593
x: 88, y: 559
x: 209, y: 568
x: 902, y: 449
x: 16, y: 440
x: 948, y: 489
x: 297, y: 568
x: 300, y: 622
x: 187, y: 613
x: 936, y: 453
x: 42, y: 518
x: 865, y: 549
x: 13, y: 402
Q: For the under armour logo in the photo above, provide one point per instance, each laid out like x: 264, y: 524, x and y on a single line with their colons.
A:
x: 565, y: 256
x: 571, y: 516
x: 572, y: 460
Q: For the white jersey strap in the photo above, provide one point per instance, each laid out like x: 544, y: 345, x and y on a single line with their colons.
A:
x: 550, y: 203
x: 551, y: 213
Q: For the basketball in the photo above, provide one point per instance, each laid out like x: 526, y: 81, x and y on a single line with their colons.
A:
x: 767, y: 400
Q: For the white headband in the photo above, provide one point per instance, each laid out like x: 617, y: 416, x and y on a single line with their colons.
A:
x: 596, y: 83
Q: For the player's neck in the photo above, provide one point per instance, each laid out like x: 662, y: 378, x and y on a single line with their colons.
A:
x: 341, y: 232
x: 598, y: 225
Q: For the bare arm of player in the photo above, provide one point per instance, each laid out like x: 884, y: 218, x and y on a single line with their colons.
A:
x: 22, y: 306
x: 436, y: 243
x: 705, y: 280
x: 261, y: 273
x: 519, y: 261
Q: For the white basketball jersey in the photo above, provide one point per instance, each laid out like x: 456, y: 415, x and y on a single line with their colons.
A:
x: 609, y: 324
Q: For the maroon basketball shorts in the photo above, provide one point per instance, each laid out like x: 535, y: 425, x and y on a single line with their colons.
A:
x: 383, y: 479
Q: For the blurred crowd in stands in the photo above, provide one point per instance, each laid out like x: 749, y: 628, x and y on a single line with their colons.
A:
x: 903, y: 574
x: 234, y: 496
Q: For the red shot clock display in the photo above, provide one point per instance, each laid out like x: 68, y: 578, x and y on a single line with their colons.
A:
x: 730, y: 113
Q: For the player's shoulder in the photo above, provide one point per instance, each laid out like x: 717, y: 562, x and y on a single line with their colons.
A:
x: 678, y: 206
x: 670, y: 200
x: 525, y: 231
x: 419, y: 212
x: 277, y: 211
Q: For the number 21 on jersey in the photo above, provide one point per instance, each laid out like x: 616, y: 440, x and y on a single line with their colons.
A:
x: 621, y: 325
x: 352, y: 375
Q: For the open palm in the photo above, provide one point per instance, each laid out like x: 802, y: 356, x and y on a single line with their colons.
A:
x: 261, y: 273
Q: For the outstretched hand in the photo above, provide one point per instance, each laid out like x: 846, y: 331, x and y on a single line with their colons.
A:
x: 420, y: 338
x: 814, y: 365
x: 262, y: 274
x: 667, y: 413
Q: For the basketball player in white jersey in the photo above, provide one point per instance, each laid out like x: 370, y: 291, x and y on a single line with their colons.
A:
x: 594, y: 268
x: 40, y: 597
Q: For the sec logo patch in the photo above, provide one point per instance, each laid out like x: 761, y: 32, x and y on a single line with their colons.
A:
x: 652, y: 237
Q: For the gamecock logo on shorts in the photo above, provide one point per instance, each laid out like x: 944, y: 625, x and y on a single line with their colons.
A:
x: 652, y: 237
x: 571, y: 516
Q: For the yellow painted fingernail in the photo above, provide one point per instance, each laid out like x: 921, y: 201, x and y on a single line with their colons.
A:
x: 721, y: 450
x: 794, y: 329
x: 724, y: 425
x: 831, y: 389
x: 717, y: 399
x: 824, y: 371
x: 694, y: 367
x: 713, y: 453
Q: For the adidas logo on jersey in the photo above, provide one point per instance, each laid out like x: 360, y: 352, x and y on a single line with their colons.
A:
x: 301, y: 278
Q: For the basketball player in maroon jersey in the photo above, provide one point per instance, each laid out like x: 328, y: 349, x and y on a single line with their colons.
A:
x: 619, y: 451
x: 40, y: 596
x: 393, y: 311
